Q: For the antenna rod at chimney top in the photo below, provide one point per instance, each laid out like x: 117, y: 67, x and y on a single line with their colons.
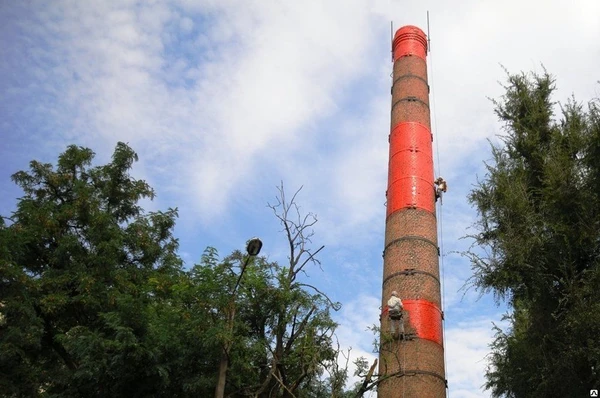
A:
x: 428, y: 34
x: 392, y: 38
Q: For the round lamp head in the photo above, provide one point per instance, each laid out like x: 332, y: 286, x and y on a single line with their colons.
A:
x: 253, y: 246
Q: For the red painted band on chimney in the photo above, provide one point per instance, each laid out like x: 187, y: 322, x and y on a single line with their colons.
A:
x: 409, y: 40
x: 410, y: 176
x: 426, y: 319
x: 420, y: 196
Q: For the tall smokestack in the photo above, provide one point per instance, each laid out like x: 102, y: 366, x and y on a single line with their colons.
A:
x: 415, y: 364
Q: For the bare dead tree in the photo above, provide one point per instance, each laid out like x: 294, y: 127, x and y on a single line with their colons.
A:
x: 302, y: 326
x: 301, y: 338
x: 298, y: 230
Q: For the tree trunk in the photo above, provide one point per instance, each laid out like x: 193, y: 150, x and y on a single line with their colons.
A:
x: 220, y: 388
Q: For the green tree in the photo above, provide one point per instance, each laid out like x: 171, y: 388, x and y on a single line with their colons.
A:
x: 94, y: 301
x: 282, y: 339
x: 537, y: 243
x: 76, y: 260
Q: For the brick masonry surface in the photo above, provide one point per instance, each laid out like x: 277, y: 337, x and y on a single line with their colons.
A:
x: 412, y: 368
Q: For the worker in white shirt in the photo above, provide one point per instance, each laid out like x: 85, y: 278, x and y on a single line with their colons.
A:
x: 395, y: 313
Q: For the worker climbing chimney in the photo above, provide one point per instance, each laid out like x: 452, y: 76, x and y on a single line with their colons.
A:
x: 411, y: 363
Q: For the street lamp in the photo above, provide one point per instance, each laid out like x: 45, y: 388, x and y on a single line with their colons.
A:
x: 253, y: 247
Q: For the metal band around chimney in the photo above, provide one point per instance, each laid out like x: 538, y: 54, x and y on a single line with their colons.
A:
x: 412, y: 237
x: 414, y: 372
x: 411, y: 272
x: 410, y: 76
x: 410, y: 99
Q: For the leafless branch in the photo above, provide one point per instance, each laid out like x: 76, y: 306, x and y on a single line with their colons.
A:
x: 336, y: 306
x: 283, y: 385
x: 365, y: 385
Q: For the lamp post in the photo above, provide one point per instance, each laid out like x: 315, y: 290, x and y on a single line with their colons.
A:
x: 253, y: 247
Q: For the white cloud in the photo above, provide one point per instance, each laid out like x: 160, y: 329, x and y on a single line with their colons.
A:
x: 264, y: 75
x: 186, y: 24
x: 272, y: 87
x: 466, y: 351
x: 355, y: 319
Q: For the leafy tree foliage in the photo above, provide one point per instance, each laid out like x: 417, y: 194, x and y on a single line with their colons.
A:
x: 94, y: 301
x: 538, y: 242
x: 74, y: 272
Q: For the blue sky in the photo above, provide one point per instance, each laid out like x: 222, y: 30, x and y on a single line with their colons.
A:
x: 222, y: 100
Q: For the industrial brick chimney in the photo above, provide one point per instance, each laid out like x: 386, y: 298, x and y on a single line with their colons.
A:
x: 412, y: 366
